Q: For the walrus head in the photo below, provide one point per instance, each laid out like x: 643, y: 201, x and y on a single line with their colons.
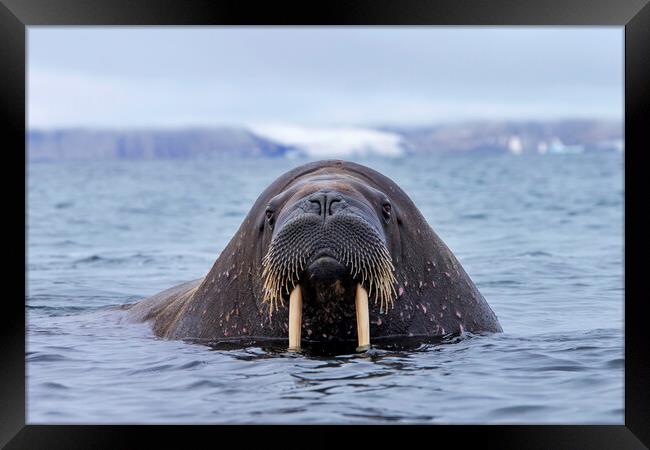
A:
x: 320, y: 242
x: 328, y: 249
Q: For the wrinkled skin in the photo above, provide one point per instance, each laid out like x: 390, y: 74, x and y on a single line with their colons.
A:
x: 312, y: 214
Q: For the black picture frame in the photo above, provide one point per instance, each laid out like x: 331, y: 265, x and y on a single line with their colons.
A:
x: 16, y: 15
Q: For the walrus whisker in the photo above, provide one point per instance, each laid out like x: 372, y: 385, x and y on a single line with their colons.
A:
x: 352, y: 242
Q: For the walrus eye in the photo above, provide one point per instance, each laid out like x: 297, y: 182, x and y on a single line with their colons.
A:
x: 269, y: 214
x: 387, y: 208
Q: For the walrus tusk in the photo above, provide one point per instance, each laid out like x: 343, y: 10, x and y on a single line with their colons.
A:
x: 295, y: 318
x: 363, y: 320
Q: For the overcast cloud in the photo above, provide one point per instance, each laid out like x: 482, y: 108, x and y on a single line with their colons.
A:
x: 206, y: 76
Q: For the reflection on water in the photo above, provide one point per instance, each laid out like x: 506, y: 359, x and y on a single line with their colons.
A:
x: 540, y: 236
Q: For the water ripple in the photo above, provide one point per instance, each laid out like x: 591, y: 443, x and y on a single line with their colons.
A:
x: 541, y: 237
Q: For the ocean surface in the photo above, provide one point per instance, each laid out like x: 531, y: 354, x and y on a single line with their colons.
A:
x: 540, y: 235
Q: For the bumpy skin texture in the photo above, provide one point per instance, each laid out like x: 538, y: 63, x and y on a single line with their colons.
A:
x: 435, y: 296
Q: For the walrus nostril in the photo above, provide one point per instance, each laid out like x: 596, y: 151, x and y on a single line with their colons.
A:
x: 332, y: 202
x: 320, y: 203
x: 324, y: 201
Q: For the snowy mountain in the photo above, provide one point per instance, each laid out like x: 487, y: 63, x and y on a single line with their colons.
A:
x: 325, y: 142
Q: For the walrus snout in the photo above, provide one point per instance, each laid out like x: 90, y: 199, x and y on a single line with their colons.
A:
x: 327, y: 255
x: 346, y: 245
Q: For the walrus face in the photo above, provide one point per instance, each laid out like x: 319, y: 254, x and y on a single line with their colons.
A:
x: 328, y: 247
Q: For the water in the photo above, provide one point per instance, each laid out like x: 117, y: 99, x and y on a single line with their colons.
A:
x: 541, y: 236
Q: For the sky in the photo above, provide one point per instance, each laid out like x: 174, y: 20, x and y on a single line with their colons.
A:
x: 119, y: 77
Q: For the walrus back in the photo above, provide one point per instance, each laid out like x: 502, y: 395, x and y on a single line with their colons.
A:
x: 164, y: 307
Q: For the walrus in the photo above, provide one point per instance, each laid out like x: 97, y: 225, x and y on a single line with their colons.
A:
x: 331, y: 252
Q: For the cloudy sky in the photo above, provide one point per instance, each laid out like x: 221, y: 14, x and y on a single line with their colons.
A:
x: 203, y: 76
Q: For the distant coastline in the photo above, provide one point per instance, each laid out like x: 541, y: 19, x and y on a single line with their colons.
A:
x: 536, y: 137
